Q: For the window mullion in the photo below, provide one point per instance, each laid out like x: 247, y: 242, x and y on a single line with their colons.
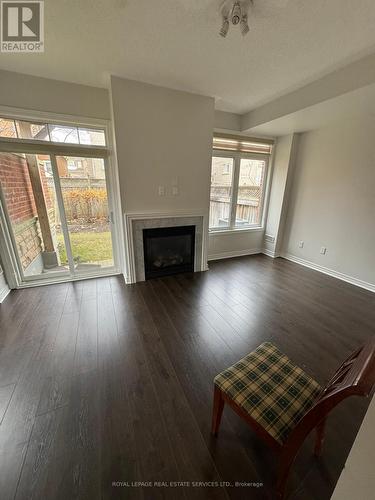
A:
x: 61, y: 207
x: 236, y: 175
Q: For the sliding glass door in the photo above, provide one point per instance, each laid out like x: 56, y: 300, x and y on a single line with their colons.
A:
x: 28, y: 196
x: 83, y: 188
x: 58, y: 213
x: 56, y: 200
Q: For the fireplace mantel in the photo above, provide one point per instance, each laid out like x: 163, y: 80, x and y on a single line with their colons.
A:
x: 136, y: 222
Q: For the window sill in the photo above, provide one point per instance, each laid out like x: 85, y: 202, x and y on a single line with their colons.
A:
x: 255, y: 229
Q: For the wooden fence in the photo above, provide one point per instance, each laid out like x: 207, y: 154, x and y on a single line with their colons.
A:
x: 248, y: 205
x: 83, y: 198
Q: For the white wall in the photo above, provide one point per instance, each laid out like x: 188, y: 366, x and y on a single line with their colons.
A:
x: 222, y: 245
x: 279, y: 175
x: 332, y: 200
x: 227, y: 121
x: 53, y: 96
x: 163, y: 137
x: 282, y: 171
x: 357, y: 480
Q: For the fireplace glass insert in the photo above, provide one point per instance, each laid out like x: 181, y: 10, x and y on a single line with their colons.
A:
x: 168, y: 250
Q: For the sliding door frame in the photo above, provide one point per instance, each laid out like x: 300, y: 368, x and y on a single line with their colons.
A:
x: 11, y: 262
x: 61, y: 207
x: 9, y: 256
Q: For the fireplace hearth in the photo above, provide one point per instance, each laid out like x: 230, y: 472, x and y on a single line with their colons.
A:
x: 168, y: 250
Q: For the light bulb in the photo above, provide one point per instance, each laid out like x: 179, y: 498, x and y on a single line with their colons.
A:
x: 236, y: 13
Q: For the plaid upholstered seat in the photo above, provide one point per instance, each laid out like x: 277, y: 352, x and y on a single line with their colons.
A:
x: 270, y: 388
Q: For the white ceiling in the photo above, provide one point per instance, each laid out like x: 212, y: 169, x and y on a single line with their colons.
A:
x: 175, y: 43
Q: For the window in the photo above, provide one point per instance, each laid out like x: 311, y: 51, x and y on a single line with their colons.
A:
x: 57, y: 199
x: 221, y: 191
x: 250, y: 192
x: 51, y: 132
x: 238, y: 180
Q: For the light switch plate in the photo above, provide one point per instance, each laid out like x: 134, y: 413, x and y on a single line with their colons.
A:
x: 323, y: 250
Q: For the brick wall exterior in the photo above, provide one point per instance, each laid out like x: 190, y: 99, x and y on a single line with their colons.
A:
x: 19, y: 199
x: 15, y: 181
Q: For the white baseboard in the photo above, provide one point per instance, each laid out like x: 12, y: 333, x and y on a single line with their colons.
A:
x: 235, y: 253
x: 3, y: 294
x: 270, y: 253
x: 330, y: 272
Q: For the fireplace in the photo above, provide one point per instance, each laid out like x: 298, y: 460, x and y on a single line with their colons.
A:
x: 136, y: 224
x: 168, y: 250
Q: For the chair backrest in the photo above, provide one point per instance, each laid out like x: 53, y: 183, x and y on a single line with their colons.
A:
x: 356, y: 376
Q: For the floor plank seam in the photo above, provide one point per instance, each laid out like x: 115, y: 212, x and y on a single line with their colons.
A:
x: 185, y: 396
x: 10, y: 399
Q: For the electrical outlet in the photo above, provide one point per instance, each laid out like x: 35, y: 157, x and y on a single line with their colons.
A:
x: 161, y: 190
x: 323, y: 250
x: 301, y: 244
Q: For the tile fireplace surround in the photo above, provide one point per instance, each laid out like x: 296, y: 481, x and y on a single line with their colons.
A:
x: 134, y: 225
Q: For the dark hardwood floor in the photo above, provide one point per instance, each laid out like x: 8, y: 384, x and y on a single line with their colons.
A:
x: 102, y: 383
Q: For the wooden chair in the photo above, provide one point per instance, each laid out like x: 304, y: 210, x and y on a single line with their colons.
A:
x: 283, y: 404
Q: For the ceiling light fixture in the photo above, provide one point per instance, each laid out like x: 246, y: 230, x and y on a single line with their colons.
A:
x: 236, y: 13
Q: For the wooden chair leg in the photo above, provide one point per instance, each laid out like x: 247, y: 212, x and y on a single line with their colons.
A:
x: 319, y: 438
x: 286, y: 459
x: 217, y: 411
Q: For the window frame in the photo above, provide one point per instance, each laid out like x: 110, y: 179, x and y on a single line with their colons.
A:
x: 16, y: 145
x: 237, y: 156
x: 31, y: 145
x: 50, y: 120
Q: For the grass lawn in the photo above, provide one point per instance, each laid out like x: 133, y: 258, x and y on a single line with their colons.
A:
x: 87, y: 247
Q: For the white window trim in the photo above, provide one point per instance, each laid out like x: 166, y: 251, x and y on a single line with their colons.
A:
x: 107, y: 152
x: 12, y: 144
x: 237, y: 156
